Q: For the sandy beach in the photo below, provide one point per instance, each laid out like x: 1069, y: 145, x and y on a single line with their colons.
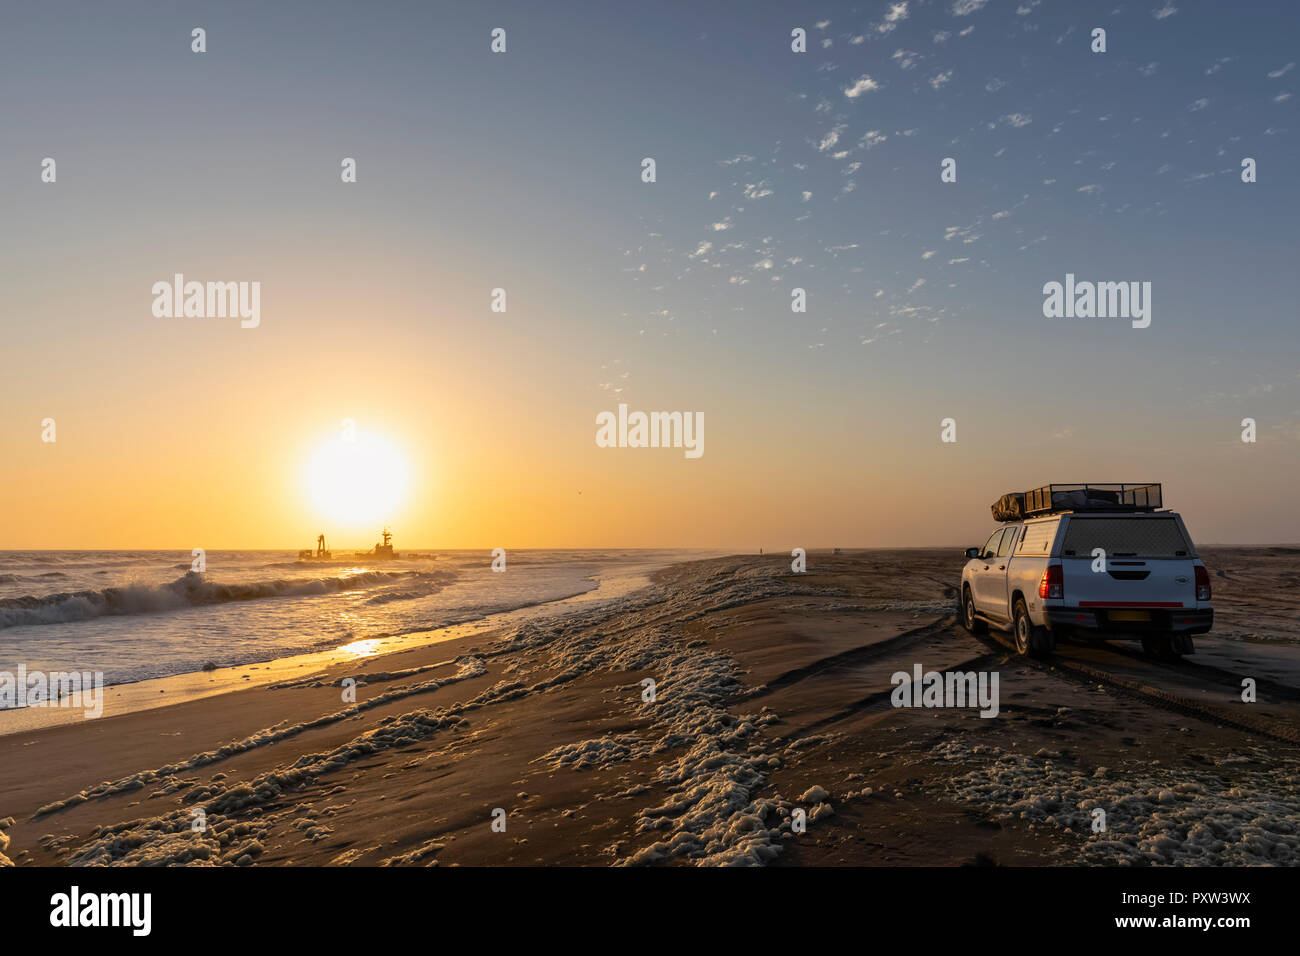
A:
x: 771, y: 705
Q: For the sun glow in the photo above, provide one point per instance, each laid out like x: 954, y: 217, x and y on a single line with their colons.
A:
x: 357, y: 482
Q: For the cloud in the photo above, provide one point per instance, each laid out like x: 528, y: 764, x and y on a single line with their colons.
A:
x: 1089, y: 189
x: 742, y: 158
x: 1281, y: 97
x: 758, y: 190
x: 962, y: 8
x: 1149, y: 69
x: 872, y: 137
x: 1163, y: 13
x: 896, y: 13
x: 830, y: 139
x: 906, y: 58
x: 1198, y: 105
x: 939, y: 79
x: 1282, y: 72
x: 722, y: 226
x: 1017, y: 119
x: 929, y: 253
x: 864, y: 84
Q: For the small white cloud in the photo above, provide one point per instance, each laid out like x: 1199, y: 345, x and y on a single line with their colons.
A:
x: 1162, y: 13
x: 1281, y: 97
x: 962, y: 8
x: 906, y: 58
x: 806, y: 195
x: 915, y: 285
x: 864, y: 84
x: 722, y: 226
x: 822, y: 24
x: 929, y: 253
x: 1089, y: 189
x: 896, y: 12
x: 1149, y: 69
x: 1198, y: 105
x: 872, y: 137
x: 940, y: 79
x: 1282, y: 72
x: 831, y: 138
x: 953, y: 262
x: 1017, y: 119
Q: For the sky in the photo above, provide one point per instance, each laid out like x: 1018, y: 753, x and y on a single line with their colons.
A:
x: 523, y: 170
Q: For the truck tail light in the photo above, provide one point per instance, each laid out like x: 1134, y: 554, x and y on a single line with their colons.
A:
x: 1202, y: 583
x: 1052, y: 585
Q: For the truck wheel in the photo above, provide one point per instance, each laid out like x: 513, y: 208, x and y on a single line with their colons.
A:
x: 968, y: 618
x: 1030, y: 639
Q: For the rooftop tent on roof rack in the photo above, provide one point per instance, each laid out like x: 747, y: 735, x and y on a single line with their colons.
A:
x: 1048, y: 499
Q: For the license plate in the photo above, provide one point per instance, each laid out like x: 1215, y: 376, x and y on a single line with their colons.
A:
x: 1129, y: 615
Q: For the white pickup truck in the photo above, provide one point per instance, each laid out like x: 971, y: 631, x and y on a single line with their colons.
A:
x: 1118, y: 575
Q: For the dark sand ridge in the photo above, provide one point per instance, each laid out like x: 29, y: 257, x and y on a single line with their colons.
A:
x: 772, y: 688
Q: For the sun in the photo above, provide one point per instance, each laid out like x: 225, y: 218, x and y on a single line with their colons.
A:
x: 357, y: 481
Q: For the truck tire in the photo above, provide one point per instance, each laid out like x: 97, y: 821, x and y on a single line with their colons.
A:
x: 968, y: 618
x: 1031, y: 640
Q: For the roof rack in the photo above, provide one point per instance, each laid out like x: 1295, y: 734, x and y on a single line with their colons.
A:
x: 1052, y: 499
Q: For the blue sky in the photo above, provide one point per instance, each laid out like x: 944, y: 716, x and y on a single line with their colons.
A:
x: 522, y: 170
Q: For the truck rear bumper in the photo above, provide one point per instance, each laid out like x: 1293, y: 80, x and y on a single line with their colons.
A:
x: 1130, y: 620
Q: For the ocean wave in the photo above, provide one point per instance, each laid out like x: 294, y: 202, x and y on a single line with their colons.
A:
x: 189, y: 590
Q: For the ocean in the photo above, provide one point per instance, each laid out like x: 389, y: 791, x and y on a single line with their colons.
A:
x: 137, y: 615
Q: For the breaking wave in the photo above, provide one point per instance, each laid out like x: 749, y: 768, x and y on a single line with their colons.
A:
x: 189, y: 590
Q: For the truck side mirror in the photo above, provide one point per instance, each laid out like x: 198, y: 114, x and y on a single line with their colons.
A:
x: 972, y: 552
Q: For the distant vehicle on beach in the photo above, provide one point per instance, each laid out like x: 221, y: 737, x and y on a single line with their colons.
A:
x: 1090, y: 560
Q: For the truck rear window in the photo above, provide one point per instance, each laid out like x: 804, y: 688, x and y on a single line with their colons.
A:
x: 1125, y: 538
x: 1038, y: 537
